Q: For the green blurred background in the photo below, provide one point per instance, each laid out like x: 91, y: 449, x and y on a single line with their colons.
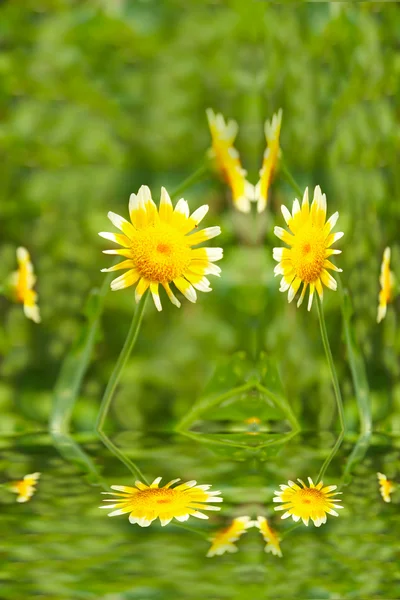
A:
x: 100, y: 97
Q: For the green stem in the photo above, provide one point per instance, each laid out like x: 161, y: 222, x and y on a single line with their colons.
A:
x: 71, y: 451
x: 283, y: 404
x: 208, y: 403
x: 76, y: 363
x: 357, y: 365
x: 329, y: 357
x: 288, y: 176
x: 122, y: 359
x: 329, y: 458
x: 136, y: 472
x: 191, y: 180
x: 358, y: 453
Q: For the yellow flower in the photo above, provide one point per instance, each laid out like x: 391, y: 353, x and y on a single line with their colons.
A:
x: 223, y: 540
x: 227, y: 159
x: 26, y: 487
x: 159, y: 248
x: 147, y: 502
x: 269, y: 535
x: 387, y: 284
x: 271, y: 155
x: 306, y: 261
x: 22, y: 282
x: 386, y: 487
x: 305, y: 503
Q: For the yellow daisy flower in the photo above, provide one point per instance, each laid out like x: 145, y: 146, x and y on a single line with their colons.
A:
x: 160, y: 248
x: 22, y: 282
x: 147, y: 502
x: 306, y: 503
x: 227, y: 159
x: 26, y: 487
x: 307, y: 259
x: 386, y: 487
x: 387, y: 285
x: 272, y: 131
x: 223, y: 540
x: 269, y: 535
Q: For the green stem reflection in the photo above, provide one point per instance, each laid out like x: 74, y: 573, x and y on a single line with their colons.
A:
x: 191, y: 180
x: 332, y: 368
x: 122, y: 359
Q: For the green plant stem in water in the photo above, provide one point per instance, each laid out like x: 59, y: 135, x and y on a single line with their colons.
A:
x: 191, y: 180
x: 122, y: 359
x: 331, y: 364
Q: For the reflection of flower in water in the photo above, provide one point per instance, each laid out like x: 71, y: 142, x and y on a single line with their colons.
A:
x: 306, y: 261
x: 253, y: 423
x: 272, y: 131
x: 386, y: 280
x: 386, y: 487
x: 306, y: 503
x: 26, y: 487
x: 22, y: 282
x: 147, y: 502
x: 227, y: 159
x: 269, y: 535
x: 223, y: 540
x: 158, y: 247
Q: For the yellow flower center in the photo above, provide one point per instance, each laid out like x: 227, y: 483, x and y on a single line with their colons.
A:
x: 310, y: 498
x: 308, y: 253
x: 160, y: 252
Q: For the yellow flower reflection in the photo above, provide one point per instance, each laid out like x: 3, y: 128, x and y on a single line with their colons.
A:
x: 269, y: 535
x: 386, y: 487
x: 271, y: 155
x: 306, y: 503
x: 145, y: 503
x: 160, y: 248
x: 307, y: 259
x: 223, y: 540
x: 22, y: 282
x: 227, y: 159
x: 386, y: 280
x: 26, y: 487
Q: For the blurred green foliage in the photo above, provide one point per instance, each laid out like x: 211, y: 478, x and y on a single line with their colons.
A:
x: 99, y: 97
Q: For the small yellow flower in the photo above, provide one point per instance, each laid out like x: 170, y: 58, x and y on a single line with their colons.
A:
x: 306, y: 260
x: 145, y: 503
x: 22, y: 282
x: 270, y: 161
x: 223, y: 540
x: 161, y: 247
x: 26, y: 487
x: 306, y: 503
x: 386, y: 487
x: 227, y: 159
x: 269, y: 535
x: 387, y: 285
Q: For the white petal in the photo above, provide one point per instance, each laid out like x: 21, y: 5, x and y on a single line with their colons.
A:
x: 286, y: 214
x: 182, y: 207
x: 199, y: 214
